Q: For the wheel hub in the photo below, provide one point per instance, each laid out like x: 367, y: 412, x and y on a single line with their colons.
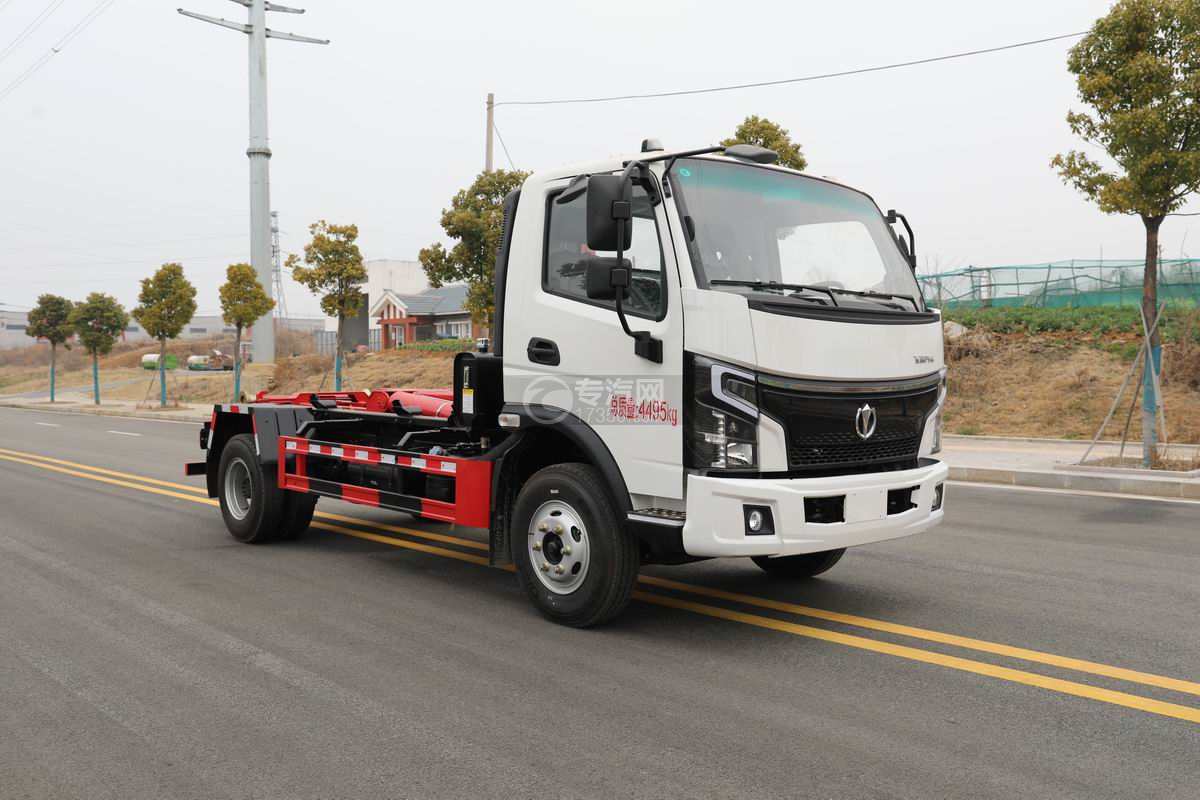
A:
x: 558, y: 547
x: 238, y: 489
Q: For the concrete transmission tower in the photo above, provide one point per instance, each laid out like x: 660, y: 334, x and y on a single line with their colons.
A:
x: 259, y: 151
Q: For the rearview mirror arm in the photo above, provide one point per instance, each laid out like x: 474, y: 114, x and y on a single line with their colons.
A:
x: 892, y: 216
x: 644, y: 345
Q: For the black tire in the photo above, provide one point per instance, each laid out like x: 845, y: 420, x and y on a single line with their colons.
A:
x: 298, y: 510
x: 612, y: 555
x: 254, y: 513
x: 803, y: 566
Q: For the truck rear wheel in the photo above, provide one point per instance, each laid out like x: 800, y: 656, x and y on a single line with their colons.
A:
x: 574, y: 559
x: 807, y: 565
x: 298, y: 510
x: 251, y: 504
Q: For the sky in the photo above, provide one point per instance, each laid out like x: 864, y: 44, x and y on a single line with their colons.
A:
x: 127, y: 148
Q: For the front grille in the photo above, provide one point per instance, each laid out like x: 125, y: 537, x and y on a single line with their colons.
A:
x: 820, y: 424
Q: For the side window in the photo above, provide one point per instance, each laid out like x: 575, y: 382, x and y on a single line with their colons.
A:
x: 566, y: 243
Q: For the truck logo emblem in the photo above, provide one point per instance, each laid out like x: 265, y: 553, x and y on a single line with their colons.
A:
x: 864, y: 422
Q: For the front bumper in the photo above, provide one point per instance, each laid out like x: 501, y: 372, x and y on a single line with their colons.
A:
x: 716, y: 519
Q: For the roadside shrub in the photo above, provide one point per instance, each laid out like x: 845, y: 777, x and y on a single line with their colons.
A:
x: 442, y: 345
x: 1094, y: 320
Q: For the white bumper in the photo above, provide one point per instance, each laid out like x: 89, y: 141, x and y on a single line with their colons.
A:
x: 716, y: 522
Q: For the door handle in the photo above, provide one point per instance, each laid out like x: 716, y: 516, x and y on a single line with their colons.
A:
x: 542, y: 351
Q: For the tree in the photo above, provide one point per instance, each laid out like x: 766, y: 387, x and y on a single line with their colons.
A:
x: 50, y: 319
x: 476, y: 219
x: 166, y: 304
x: 764, y: 133
x: 1139, y: 71
x: 243, y: 302
x: 99, y: 321
x: 335, y: 271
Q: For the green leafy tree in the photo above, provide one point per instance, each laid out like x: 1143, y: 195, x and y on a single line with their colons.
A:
x: 765, y: 133
x: 476, y: 220
x: 50, y: 319
x: 332, y: 267
x: 166, y: 304
x: 243, y: 302
x: 1139, y: 71
x: 99, y: 322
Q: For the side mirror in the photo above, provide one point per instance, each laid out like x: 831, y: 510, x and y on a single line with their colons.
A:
x: 609, y: 210
x: 606, y: 279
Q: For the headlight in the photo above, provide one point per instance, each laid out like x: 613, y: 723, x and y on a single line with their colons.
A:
x: 722, y: 418
x: 936, y: 421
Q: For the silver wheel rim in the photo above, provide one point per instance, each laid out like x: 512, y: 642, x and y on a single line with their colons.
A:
x: 238, y: 489
x: 558, y: 547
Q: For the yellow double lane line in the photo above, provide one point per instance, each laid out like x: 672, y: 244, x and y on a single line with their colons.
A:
x: 376, y: 532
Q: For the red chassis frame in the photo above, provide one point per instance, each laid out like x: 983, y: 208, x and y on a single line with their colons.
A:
x: 472, y: 479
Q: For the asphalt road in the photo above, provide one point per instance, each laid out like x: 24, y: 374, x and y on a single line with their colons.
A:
x: 145, y: 654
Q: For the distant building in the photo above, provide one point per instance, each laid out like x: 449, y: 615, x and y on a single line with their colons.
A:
x: 390, y: 275
x: 13, y: 325
x: 12, y: 330
x: 431, y: 314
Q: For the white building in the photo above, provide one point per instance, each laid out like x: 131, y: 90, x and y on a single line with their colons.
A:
x: 13, y: 325
x: 12, y: 329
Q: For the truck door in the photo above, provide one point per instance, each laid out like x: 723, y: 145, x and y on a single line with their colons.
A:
x: 568, y: 354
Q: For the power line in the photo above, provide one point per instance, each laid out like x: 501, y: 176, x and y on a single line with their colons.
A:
x: 803, y: 79
x: 37, y: 22
x: 503, y: 145
x: 67, y: 38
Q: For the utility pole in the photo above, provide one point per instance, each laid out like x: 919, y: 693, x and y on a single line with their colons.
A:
x: 277, y: 269
x: 259, y: 151
x: 491, y: 131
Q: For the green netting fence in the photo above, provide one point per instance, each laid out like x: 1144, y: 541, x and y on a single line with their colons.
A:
x: 1061, y: 284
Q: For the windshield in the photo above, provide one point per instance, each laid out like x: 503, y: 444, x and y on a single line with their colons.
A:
x: 750, y: 224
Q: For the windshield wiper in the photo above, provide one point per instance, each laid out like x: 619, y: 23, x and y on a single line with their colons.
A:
x: 779, y: 287
x: 884, y: 296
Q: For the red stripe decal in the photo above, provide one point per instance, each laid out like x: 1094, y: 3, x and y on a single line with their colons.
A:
x: 360, y: 495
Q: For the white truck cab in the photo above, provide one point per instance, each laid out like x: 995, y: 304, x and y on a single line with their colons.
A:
x: 789, y: 399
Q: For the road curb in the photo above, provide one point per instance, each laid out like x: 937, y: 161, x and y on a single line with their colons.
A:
x: 964, y: 438
x: 107, y: 412
x: 1108, y: 484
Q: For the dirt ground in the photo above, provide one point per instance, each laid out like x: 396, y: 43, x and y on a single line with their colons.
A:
x: 120, y: 380
x: 1058, y: 386
x: 395, y: 368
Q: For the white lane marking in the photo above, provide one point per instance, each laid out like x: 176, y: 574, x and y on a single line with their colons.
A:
x: 65, y: 413
x: 123, y: 433
x: 1082, y: 492
x: 48, y: 424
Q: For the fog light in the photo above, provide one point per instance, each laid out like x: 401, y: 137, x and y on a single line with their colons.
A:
x: 758, y: 521
x: 938, y: 494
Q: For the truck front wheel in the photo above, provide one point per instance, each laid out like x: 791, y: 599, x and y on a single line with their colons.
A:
x: 251, y: 503
x: 574, y: 558
x: 807, y: 565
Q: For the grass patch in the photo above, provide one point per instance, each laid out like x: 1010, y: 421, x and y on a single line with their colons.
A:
x: 1095, y: 321
x: 442, y: 346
